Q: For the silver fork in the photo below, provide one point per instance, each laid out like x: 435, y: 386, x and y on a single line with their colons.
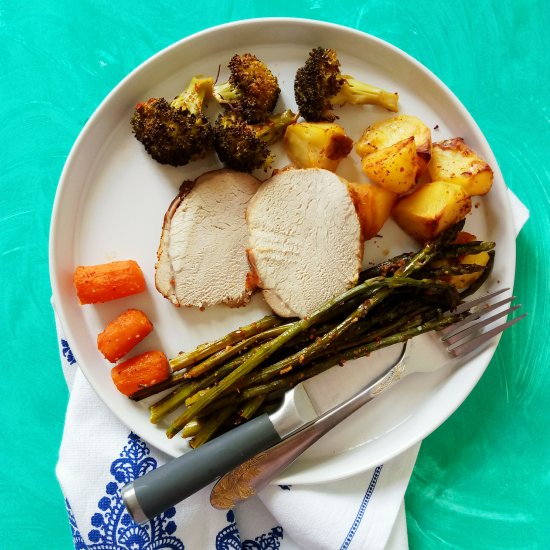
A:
x: 461, y: 339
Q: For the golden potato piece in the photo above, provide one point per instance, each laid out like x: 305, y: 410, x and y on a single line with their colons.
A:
x: 392, y: 130
x: 453, y: 160
x: 317, y: 144
x: 373, y: 205
x: 463, y: 281
x: 394, y: 167
x: 431, y: 209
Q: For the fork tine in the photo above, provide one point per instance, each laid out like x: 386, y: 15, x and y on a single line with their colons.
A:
x: 451, y: 329
x: 476, y: 326
x: 457, y: 335
x: 471, y: 303
x: 474, y: 343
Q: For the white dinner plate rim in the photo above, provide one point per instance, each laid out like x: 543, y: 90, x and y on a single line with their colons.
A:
x: 481, y: 362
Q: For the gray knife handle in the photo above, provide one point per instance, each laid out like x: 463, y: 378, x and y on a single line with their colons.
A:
x: 159, y: 489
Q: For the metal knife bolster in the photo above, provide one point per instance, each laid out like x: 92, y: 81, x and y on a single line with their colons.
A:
x: 296, y: 411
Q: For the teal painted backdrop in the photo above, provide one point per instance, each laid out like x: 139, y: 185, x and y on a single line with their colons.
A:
x: 483, y: 479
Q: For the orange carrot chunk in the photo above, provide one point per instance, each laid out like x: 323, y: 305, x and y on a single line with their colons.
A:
x: 141, y: 371
x: 100, y: 283
x: 123, y: 333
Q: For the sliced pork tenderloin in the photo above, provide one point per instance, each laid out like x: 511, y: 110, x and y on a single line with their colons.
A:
x: 305, y: 240
x: 202, y: 257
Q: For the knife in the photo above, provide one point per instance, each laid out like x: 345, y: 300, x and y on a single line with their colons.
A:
x: 162, y: 488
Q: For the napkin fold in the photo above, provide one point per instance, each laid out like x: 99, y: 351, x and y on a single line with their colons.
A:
x: 99, y: 455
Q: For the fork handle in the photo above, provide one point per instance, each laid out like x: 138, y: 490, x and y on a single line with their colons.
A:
x: 257, y: 472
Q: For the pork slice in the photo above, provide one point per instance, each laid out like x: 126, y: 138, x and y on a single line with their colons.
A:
x: 164, y: 276
x: 305, y: 240
x: 202, y: 252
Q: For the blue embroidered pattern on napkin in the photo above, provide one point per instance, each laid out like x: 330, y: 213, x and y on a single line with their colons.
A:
x: 113, y: 527
x: 229, y: 539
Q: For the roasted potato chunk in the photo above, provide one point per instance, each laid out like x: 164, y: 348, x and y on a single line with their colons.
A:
x: 431, y: 209
x: 464, y: 280
x: 394, y: 168
x: 392, y: 130
x: 454, y: 161
x: 317, y: 144
x: 373, y: 205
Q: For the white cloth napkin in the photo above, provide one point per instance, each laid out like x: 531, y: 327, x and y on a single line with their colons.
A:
x: 98, y: 456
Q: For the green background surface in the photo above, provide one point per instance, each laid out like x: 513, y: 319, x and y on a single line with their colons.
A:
x: 482, y: 480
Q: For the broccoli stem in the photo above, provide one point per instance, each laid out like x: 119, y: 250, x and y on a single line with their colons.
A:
x: 273, y: 129
x: 192, y: 98
x: 226, y: 92
x: 360, y: 93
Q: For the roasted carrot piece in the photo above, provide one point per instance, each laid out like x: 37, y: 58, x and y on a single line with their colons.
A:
x: 123, y: 333
x: 101, y: 283
x: 140, y: 371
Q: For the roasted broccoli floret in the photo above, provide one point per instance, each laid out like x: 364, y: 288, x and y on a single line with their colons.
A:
x: 319, y: 85
x: 245, y: 147
x: 252, y: 90
x: 176, y: 133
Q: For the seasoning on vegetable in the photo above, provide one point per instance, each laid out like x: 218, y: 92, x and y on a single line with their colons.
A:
x: 140, y: 371
x: 123, y: 333
x: 104, y: 282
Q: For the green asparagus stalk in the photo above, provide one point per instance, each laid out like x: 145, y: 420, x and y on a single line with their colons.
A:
x: 473, y: 247
x: 430, y: 250
x: 389, y: 267
x: 251, y: 406
x: 290, y: 363
x: 261, y: 383
x: 175, y: 379
x: 170, y: 402
x: 386, y: 268
x: 211, y: 426
x: 450, y: 270
x: 320, y: 366
x: 192, y: 427
x: 189, y: 387
x: 185, y: 359
x: 409, y: 328
x: 230, y: 351
x: 400, y: 337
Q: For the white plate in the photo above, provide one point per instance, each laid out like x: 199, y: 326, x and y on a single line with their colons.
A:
x: 112, y: 197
